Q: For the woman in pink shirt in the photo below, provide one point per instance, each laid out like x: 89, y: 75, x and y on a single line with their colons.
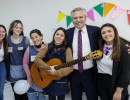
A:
x: 34, y: 93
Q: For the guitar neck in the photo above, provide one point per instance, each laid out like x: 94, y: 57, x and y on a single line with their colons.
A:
x: 70, y: 63
x: 97, y: 54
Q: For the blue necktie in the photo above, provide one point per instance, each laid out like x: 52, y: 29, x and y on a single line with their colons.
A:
x: 80, y: 64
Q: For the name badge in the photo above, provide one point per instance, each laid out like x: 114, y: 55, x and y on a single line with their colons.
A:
x: 32, y: 58
x: 10, y: 49
x: 20, y: 48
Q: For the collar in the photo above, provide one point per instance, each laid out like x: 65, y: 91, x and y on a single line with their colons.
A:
x: 107, y: 48
x: 84, y: 30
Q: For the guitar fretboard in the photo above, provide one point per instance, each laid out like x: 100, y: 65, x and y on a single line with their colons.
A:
x: 70, y: 63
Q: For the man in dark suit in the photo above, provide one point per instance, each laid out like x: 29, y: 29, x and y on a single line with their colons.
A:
x: 83, y: 80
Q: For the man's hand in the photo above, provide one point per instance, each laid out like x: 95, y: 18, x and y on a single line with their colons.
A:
x: 42, y: 46
x: 128, y: 48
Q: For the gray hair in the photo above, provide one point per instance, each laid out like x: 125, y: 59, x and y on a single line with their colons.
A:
x: 78, y: 9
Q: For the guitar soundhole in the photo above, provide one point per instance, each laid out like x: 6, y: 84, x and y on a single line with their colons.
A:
x: 40, y: 74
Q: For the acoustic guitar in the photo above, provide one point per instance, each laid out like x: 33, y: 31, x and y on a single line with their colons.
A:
x: 42, y: 79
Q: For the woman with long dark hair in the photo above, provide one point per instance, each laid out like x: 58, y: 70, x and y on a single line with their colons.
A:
x: 4, y: 70
x: 114, y: 67
x: 56, y: 49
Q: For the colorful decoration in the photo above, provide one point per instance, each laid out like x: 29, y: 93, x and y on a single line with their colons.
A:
x: 60, y: 16
x: 117, y: 11
x: 99, y: 9
x: 107, y: 8
x: 128, y: 13
x: 68, y: 20
x: 90, y: 15
x: 103, y: 9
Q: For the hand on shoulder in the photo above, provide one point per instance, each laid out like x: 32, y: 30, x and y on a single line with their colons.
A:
x: 43, y: 45
x: 127, y: 45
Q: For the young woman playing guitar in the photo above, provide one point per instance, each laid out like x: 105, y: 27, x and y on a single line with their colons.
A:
x: 56, y: 49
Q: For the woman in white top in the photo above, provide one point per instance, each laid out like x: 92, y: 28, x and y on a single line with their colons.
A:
x: 114, y: 67
x: 3, y: 59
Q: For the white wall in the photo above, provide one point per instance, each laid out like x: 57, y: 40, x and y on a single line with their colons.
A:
x: 42, y: 14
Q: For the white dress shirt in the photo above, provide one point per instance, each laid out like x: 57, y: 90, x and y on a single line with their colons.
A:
x: 85, y: 48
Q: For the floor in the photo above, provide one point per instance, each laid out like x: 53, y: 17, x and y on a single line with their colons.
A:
x: 8, y: 93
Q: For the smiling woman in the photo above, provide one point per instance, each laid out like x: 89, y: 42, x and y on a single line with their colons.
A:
x: 17, y: 44
x: 3, y: 59
x: 114, y: 67
x: 37, y: 38
x: 56, y: 49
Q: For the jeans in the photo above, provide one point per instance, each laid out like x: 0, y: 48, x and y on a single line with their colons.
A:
x: 35, y: 96
x: 2, y: 78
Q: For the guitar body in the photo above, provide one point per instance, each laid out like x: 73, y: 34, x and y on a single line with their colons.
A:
x: 40, y: 77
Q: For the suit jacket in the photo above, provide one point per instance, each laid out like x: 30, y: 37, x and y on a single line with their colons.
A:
x: 93, y: 34
x: 125, y: 41
x: 121, y: 69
